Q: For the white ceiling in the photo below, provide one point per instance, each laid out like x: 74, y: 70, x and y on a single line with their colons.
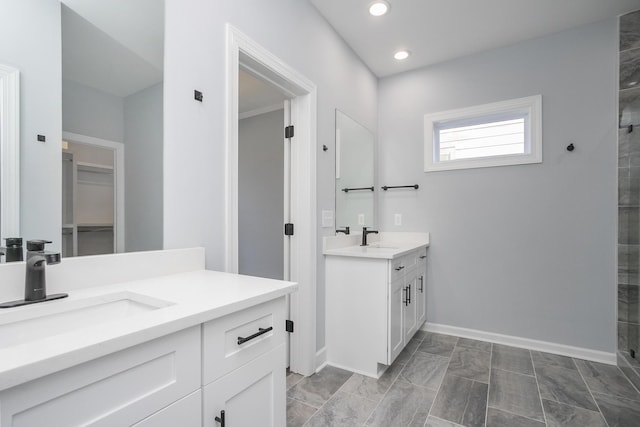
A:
x: 116, y: 46
x: 440, y: 30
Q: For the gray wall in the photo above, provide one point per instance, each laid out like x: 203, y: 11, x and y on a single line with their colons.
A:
x: 34, y: 49
x: 143, y: 137
x: 91, y: 112
x: 518, y: 250
x: 261, y: 195
x: 194, y: 149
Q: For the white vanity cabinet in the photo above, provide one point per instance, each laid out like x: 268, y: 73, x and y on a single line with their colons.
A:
x: 375, y: 305
x: 235, y: 363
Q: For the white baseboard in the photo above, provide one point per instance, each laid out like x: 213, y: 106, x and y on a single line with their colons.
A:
x: 321, y: 358
x: 545, y: 346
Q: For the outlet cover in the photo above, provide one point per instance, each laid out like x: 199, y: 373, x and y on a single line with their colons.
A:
x: 397, y: 219
x: 327, y: 219
x: 360, y: 219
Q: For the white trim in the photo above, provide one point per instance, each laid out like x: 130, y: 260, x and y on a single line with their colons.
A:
x: 530, y: 344
x: 303, y: 189
x: 118, y: 166
x: 9, y: 151
x: 532, y: 105
x: 261, y: 110
x: 321, y: 359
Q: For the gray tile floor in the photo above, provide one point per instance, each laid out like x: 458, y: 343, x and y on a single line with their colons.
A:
x: 445, y: 381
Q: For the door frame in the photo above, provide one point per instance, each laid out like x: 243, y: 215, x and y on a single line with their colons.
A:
x: 245, y: 52
x: 118, y: 173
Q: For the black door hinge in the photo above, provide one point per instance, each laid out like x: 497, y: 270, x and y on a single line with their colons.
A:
x: 288, y: 229
x: 288, y: 131
x: 288, y: 325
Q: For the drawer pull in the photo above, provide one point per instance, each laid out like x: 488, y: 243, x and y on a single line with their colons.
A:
x: 261, y: 331
x: 399, y: 267
x: 220, y: 419
x: 423, y: 256
x: 421, y: 284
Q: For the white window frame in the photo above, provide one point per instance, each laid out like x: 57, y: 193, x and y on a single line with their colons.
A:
x: 530, y: 105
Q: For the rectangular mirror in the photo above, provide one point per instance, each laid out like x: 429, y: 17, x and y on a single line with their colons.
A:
x: 112, y: 91
x: 355, y: 174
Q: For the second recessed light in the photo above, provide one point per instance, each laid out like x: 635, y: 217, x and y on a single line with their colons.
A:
x: 378, y: 8
x: 401, y: 55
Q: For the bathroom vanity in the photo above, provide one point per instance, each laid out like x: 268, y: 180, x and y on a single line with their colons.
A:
x: 376, y: 298
x: 183, y: 346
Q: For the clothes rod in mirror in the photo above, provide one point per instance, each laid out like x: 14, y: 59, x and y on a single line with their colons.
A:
x: 388, y: 187
x: 346, y: 190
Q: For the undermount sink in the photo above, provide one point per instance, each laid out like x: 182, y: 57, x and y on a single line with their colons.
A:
x: 38, y: 321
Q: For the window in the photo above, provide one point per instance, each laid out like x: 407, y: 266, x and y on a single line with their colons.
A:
x: 497, y: 134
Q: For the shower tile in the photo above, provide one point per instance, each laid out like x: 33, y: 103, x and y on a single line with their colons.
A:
x: 629, y: 68
x: 629, y: 110
x: 623, y: 303
x: 630, y: 30
x: 624, y: 186
x: 623, y: 333
x: 632, y: 302
x: 629, y: 225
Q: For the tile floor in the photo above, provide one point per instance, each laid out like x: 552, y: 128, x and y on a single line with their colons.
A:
x: 445, y: 381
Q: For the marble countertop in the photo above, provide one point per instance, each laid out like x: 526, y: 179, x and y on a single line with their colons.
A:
x: 385, y: 245
x: 195, y: 297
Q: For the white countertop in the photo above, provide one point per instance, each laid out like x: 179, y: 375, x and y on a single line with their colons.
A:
x: 196, y: 297
x: 385, y: 245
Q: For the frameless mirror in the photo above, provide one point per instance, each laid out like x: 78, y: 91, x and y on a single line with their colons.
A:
x: 112, y: 91
x: 355, y: 174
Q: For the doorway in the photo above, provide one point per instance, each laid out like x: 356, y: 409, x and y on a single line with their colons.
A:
x: 92, y: 196
x: 242, y: 52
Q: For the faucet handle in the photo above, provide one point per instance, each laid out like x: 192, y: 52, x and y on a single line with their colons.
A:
x: 37, y: 245
x: 13, y: 242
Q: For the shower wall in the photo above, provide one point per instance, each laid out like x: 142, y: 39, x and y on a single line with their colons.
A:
x: 629, y: 186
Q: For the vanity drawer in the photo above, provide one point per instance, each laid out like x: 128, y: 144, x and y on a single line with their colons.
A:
x: 223, y: 350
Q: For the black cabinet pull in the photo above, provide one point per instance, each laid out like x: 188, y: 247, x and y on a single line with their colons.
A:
x: 220, y: 419
x: 399, y: 267
x: 423, y: 256
x: 261, y: 331
x: 406, y: 298
x: 421, y: 284
x: 409, y: 294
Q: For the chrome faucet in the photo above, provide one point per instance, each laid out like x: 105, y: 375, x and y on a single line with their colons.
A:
x: 344, y: 230
x: 35, y: 282
x: 365, y: 232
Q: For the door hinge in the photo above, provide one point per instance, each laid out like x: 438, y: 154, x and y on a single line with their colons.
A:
x: 288, y: 229
x: 288, y: 131
x: 288, y: 325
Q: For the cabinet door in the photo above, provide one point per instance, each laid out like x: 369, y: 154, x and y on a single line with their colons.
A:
x: 396, y: 303
x: 253, y: 395
x: 409, y: 307
x: 186, y: 412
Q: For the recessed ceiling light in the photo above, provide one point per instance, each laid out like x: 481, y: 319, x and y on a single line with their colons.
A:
x: 378, y: 8
x: 401, y: 55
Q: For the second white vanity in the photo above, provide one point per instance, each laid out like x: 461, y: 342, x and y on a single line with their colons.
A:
x: 376, y: 298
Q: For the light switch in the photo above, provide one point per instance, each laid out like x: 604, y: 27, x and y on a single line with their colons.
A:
x: 327, y: 219
x: 397, y: 219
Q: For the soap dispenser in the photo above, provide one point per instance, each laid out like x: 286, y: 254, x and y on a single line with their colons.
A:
x: 13, y: 251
